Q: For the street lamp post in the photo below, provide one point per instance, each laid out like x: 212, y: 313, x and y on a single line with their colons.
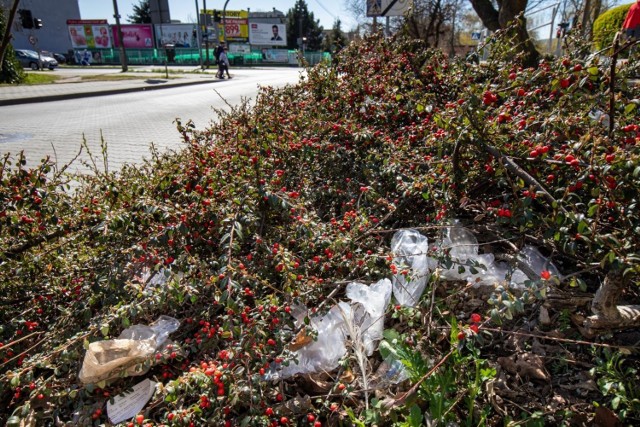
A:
x: 123, y: 52
x: 224, y: 23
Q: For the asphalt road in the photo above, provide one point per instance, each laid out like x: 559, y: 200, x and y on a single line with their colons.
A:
x: 129, y: 123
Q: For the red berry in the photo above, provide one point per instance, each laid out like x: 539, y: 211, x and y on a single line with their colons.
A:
x: 140, y: 419
x: 461, y: 336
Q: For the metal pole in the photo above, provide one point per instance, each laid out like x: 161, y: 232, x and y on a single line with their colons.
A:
x: 553, y: 20
x: 206, y: 19
x: 224, y: 23
x: 123, y: 52
x: 199, y: 35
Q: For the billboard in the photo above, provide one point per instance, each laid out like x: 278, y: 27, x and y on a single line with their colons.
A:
x: 268, y: 34
x: 179, y: 35
x: 235, y: 23
x: 236, y: 26
x: 89, y: 33
x: 134, y: 36
x: 387, y: 7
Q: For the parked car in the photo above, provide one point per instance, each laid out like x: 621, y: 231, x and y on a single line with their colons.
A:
x: 57, y: 56
x: 29, y: 58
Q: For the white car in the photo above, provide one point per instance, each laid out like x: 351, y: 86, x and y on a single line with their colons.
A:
x: 29, y: 58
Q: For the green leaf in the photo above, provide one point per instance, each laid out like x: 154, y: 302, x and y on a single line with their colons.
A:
x: 630, y: 109
x: 419, y: 108
x: 104, y: 330
x: 615, y: 402
x: 415, y: 416
x: 15, y: 381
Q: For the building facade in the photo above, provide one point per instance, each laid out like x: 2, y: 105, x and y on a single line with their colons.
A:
x: 53, y: 36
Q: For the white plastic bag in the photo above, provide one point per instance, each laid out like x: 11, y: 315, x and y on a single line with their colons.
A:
x: 374, y: 300
x: 462, y: 246
x: 123, y: 356
x: 325, y: 352
x: 409, y: 248
x: 365, y: 315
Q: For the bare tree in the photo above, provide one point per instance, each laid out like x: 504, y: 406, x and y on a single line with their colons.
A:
x: 431, y: 20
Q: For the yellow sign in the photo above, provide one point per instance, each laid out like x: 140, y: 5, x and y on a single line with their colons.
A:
x: 238, y: 14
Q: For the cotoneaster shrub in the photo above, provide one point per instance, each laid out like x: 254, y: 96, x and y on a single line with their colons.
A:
x: 281, y: 203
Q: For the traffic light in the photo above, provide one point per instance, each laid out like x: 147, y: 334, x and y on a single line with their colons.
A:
x: 216, y: 16
x: 37, y: 23
x: 26, y: 19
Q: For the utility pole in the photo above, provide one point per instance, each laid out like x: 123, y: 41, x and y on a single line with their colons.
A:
x: 123, y: 52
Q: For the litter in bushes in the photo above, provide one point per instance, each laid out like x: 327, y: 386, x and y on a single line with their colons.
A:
x: 125, y: 355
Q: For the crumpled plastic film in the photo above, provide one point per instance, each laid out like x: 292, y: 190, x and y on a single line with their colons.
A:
x: 409, y: 248
x: 463, y: 250
x: 325, y: 352
x: 374, y: 299
x: 365, y: 312
x: 537, y: 262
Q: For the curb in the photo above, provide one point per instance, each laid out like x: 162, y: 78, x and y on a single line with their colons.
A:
x: 65, y: 96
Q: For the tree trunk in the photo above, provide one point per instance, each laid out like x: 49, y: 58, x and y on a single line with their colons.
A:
x: 487, y: 14
x: 509, y: 13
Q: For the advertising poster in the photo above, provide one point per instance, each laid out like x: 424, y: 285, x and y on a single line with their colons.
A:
x: 179, y: 35
x: 268, y: 34
x: 239, y: 48
x: 89, y: 33
x: 134, y: 36
x: 235, y: 24
x: 275, y: 55
x: 101, y: 36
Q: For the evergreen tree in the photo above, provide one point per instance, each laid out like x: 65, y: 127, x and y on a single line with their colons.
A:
x: 141, y: 13
x: 10, y: 70
x: 302, y: 23
x: 338, y: 39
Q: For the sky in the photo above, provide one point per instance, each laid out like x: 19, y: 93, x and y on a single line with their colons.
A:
x: 185, y: 10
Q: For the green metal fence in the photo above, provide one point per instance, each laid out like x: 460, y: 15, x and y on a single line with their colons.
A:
x: 186, y: 56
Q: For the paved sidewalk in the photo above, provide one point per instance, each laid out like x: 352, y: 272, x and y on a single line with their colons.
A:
x: 71, y: 85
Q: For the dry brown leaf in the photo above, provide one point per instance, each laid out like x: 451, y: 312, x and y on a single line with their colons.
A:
x: 347, y: 377
x: 302, y: 339
x: 527, y: 365
x: 606, y: 418
x: 317, y: 383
